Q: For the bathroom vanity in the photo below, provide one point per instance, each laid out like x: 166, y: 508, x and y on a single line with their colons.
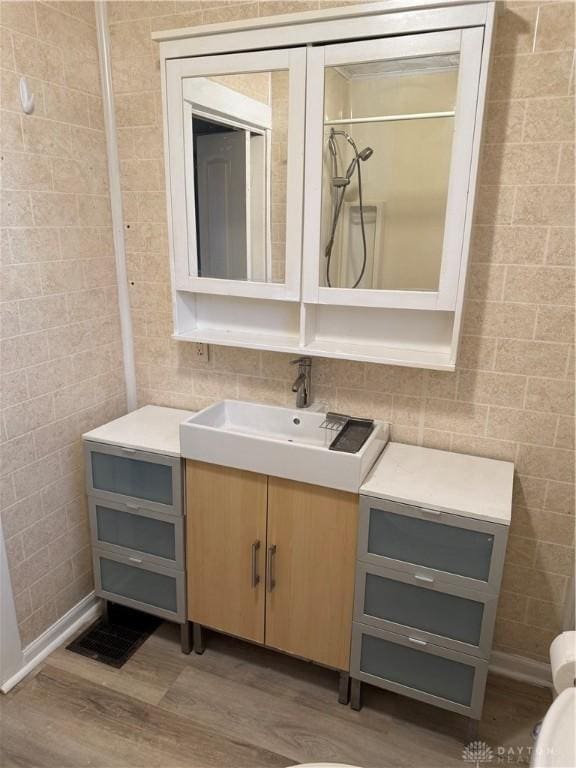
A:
x: 134, y: 486
x: 321, y: 171
x: 431, y: 546
x: 384, y: 564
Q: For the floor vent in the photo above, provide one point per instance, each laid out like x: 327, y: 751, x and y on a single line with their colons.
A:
x: 114, y: 639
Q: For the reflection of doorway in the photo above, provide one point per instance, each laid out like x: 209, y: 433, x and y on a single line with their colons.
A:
x: 220, y: 183
x: 229, y: 146
x: 232, y: 228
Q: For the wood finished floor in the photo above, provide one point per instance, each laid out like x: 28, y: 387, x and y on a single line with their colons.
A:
x: 237, y: 706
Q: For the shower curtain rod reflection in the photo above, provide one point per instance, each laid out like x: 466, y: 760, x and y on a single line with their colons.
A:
x: 389, y: 118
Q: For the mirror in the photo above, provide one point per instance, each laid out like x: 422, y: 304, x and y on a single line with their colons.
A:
x: 236, y: 159
x: 388, y: 128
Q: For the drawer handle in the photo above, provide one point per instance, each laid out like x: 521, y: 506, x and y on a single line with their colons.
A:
x: 427, y: 579
x: 128, y: 450
x: 255, y: 574
x: 416, y: 641
x: 428, y: 511
x: 134, y: 507
x: 134, y: 560
x: 271, y: 578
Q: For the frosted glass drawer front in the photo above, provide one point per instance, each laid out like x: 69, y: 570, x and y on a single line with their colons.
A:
x: 416, y: 606
x: 149, y: 535
x: 426, y: 672
x: 148, y: 588
x: 456, y: 548
x: 118, y: 473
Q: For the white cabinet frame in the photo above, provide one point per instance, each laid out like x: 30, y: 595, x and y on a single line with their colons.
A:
x: 179, y: 113
x: 468, y: 44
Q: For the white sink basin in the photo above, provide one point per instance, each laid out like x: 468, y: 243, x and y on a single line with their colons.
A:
x: 282, y: 442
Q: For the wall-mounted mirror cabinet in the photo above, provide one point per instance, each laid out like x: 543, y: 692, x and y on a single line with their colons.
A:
x: 321, y: 173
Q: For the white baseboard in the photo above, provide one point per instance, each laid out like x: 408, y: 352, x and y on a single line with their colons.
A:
x: 520, y: 668
x: 80, y: 615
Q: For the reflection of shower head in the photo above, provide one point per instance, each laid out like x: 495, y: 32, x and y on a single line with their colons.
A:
x: 366, y: 153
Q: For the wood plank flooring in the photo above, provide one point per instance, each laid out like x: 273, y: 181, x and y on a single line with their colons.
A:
x: 237, y: 706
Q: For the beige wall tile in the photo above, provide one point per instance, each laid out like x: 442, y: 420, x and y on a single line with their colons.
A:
x: 545, y: 205
x: 555, y: 27
x: 555, y: 324
x: 468, y: 418
x: 521, y: 426
x: 11, y: 136
x: 565, y: 433
x: 537, y: 358
x: 518, y: 163
x: 520, y: 551
x: 528, y: 76
x: 512, y: 607
x: 477, y: 352
x: 549, y: 120
x: 494, y: 204
x: 553, y: 463
x: 66, y: 105
x: 516, y: 28
x: 532, y: 582
x: 20, y: 16
x: 37, y: 59
x: 490, y: 318
x: 42, y: 312
x: 491, y: 388
x: 15, y: 209
x: 560, y: 248
x: 539, y: 285
x: 33, y: 244
x: 555, y: 558
x: 534, y: 643
x: 363, y: 404
x: 20, y: 281
x: 402, y: 381
x: 550, y: 395
x: 560, y: 498
x: 483, y: 446
x: 500, y: 244
x: 544, y: 614
x: 529, y: 491
x: 21, y: 171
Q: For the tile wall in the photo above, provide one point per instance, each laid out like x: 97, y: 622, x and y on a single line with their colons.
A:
x: 61, y: 365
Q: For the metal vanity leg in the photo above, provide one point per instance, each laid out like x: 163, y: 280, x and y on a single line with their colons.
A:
x: 356, y: 694
x: 473, y: 730
x: 186, y: 637
x: 199, y: 646
x: 106, y: 611
x: 344, y: 688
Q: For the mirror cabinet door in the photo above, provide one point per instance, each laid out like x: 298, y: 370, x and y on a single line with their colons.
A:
x: 391, y: 135
x: 236, y: 127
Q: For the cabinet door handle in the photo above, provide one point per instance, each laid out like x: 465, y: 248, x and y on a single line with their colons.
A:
x: 133, y: 507
x: 134, y: 559
x: 271, y: 556
x: 128, y: 450
x: 421, y: 577
x: 416, y: 641
x: 255, y: 574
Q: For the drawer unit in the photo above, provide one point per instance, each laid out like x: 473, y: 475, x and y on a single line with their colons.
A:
x: 146, y: 587
x: 142, y: 534
x: 418, y: 669
x: 425, y: 609
x: 459, y: 550
x: 137, y: 478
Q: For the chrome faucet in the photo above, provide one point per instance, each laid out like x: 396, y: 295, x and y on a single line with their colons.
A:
x: 303, y: 381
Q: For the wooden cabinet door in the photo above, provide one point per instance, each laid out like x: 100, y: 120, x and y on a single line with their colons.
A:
x: 226, y: 545
x: 310, y: 584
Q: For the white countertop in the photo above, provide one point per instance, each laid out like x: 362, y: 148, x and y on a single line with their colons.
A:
x: 150, y: 428
x: 450, y: 482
